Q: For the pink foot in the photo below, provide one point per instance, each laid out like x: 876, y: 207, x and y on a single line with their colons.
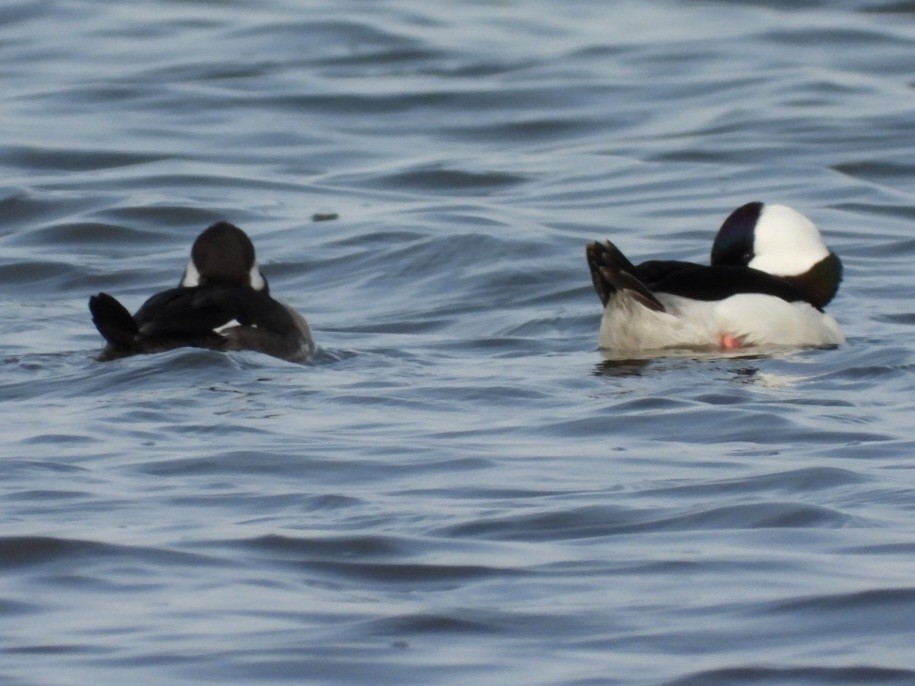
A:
x: 729, y: 342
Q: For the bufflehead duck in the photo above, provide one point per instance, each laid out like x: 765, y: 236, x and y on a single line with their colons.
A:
x: 770, y: 278
x: 223, y: 302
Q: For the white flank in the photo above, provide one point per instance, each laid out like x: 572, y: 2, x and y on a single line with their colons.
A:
x: 753, y: 319
x: 766, y: 320
x: 228, y: 325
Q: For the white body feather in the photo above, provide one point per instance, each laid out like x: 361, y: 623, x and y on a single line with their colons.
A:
x: 749, y: 318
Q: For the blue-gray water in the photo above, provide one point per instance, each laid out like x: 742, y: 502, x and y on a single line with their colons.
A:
x: 459, y: 489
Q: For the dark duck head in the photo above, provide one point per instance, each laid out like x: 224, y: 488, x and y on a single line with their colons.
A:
x: 223, y: 255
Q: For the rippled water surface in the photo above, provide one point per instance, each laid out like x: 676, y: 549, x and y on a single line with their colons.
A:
x: 459, y: 488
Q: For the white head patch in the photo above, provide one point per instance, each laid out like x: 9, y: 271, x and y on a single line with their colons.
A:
x: 191, y: 275
x: 256, y: 279
x: 786, y: 243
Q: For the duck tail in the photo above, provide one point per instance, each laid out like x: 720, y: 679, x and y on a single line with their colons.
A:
x: 113, y: 321
x: 611, y: 271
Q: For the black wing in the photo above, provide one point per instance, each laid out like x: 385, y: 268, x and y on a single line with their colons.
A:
x: 611, y: 271
x: 655, y: 271
x: 196, y: 312
x: 701, y: 282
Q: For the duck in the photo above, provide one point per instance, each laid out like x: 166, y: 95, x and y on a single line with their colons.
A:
x: 222, y: 302
x: 769, y: 279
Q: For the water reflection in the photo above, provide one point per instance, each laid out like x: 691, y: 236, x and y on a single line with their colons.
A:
x: 746, y: 373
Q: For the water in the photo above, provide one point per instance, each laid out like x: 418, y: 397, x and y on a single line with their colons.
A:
x: 459, y: 488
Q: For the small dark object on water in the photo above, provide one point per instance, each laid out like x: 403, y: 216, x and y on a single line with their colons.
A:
x: 324, y: 216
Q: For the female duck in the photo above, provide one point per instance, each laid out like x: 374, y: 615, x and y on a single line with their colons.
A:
x: 223, y: 303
